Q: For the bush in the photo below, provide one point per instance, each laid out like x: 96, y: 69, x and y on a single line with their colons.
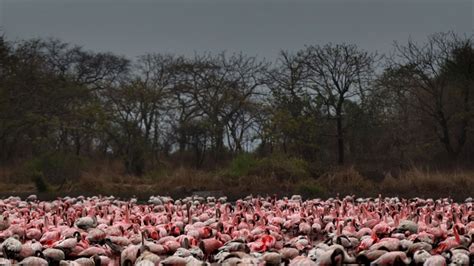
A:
x: 160, y: 171
x: 310, y: 190
x: 53, y: 168
x: 281, y: 167
x: 93, y: 184
x: 241, y: 165
x: 39, y: 182
x: 277, y: 166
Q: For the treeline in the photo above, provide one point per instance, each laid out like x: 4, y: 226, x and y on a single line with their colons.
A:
x: 327, y: 104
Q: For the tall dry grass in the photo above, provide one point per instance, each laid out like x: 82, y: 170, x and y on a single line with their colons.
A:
x: 424, y: 183
x: 107, y: 177
x: 347, y: 182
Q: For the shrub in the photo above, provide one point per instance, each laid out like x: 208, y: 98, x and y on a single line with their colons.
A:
x: 92, y: 184
x: 310, y: 190
x: 40, y: 184
x: 159, y: 172
x: 282, y: 167
x: 241, y: 165
x: 53, y: 168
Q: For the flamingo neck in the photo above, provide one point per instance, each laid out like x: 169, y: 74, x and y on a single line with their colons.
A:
x: 456, y: 234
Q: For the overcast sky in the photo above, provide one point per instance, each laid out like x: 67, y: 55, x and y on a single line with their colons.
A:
x: 256, y: 27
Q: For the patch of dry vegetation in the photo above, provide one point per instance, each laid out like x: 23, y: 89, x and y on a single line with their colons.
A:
x: 248, y: 176
x: 419, y: 183
x: 347, y: 182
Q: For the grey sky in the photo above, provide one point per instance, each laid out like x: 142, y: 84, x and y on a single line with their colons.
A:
x: 258, y: 27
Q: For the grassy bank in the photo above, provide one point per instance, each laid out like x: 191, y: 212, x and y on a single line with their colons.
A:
x: 242, y: 176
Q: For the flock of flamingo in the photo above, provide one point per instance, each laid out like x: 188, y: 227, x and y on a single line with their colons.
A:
x: 250, y: 231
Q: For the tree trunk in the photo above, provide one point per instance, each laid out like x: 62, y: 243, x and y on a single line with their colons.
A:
x: 340, y: 139
x: 219, y: 142
x: 181, y: 139
x: 340, y: 133
x: 465, y: 119
x: 445, y: 138
x: 78, y: 144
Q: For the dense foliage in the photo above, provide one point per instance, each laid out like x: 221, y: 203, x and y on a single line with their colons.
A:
x: 320, y: 106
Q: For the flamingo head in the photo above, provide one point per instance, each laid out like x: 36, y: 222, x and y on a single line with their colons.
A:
x: 176, y: 231
x: 154, y: 235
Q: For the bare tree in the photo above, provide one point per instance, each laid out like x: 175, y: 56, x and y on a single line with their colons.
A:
x: 338, y: 72
x: 295, y: 113
x: 220, y: 87
x: 426, y: 71
x: 153, y: 84
x: 287, y: 82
